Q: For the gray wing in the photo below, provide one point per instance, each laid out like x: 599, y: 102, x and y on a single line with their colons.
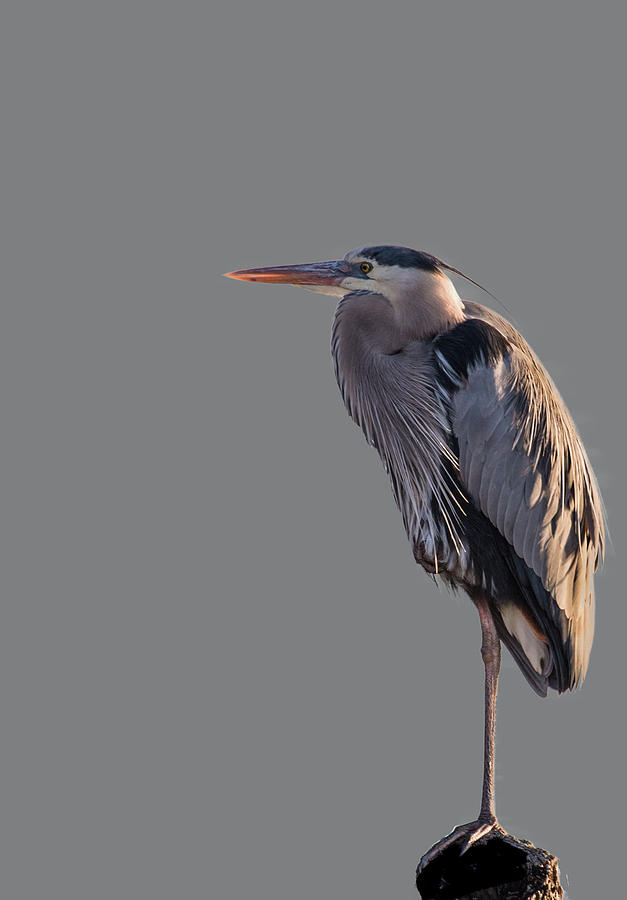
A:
x: 523, y: 464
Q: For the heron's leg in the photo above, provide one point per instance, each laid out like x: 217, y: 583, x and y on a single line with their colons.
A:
x: 491, y: 654
x: 466, y: 835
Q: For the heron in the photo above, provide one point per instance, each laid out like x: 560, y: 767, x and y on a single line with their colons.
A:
x: 497, y: 495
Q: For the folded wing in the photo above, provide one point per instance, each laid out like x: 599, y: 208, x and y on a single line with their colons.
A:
x: 523, y: 465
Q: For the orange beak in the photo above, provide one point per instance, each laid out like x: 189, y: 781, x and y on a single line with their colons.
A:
x: 324, y: 273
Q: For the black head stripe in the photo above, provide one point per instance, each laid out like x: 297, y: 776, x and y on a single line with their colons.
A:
x: 404, y: 257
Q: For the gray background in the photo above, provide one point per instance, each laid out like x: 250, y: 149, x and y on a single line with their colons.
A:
x: 221, y: 672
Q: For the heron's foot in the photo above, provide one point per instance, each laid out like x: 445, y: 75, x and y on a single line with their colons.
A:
x: 464, y: 835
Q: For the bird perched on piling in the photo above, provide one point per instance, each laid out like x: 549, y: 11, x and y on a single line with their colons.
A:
x: 495, y: 489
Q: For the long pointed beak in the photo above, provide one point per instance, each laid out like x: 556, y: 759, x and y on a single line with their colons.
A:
x: 324, y: 273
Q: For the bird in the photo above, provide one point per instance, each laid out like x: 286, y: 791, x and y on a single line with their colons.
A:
x: 497, y: 495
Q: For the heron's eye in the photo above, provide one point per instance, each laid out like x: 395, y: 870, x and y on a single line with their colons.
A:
x: 365, y: 267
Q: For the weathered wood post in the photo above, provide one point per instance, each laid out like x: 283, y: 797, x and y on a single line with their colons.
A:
x: 498, y: 867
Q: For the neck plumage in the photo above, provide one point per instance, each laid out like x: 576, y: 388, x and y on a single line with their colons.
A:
x: 394, y: 402
x: 425, y: 303
x: 417, y: 306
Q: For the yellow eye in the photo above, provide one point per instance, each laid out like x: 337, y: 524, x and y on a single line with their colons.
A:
x: 365, y: 267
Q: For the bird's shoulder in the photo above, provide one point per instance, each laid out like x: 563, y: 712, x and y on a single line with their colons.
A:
x: 484, y: 338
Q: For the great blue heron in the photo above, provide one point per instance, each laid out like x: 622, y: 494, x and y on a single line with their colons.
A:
x: 495, y: 489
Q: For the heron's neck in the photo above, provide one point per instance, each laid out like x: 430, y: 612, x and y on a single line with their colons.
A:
x: 416, y: 306
x: 364, y: 326
x: 425, y: 303
x: 386, y: 381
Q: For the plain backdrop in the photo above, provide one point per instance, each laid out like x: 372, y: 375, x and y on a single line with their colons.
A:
x: 221, y: 673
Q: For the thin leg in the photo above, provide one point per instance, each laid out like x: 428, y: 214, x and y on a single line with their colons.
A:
x: 466, y: 835
x: 491, y: 654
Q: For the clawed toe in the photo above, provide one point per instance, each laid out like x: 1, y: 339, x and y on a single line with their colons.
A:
x: 464, y: 835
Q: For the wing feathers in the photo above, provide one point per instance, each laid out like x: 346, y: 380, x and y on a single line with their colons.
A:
x: 523, y: 465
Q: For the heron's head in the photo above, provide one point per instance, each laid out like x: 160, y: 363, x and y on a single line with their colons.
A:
x: 413, y: 282
x: 393, y: 272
